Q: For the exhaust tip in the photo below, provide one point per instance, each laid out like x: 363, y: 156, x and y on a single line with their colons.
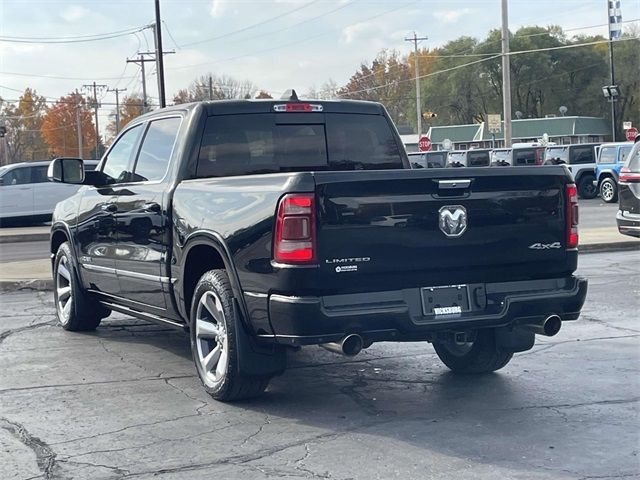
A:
x: 352, y: 345
x: 552, y: 325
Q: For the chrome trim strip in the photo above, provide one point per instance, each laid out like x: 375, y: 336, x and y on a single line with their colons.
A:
x: 285, y: 299
x: 127, y: 273
x: 256, y: 295
x: 98, y: 268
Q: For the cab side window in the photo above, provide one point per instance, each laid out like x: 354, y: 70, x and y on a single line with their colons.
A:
x: 17, y: 176
x: 607, y: 155
x: 156, y: 150
x: 116, y: 165
x: 39, y: 174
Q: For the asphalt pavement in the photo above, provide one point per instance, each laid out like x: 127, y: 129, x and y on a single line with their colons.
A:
x: 124, y: 402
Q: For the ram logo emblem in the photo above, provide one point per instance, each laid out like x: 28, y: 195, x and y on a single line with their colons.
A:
x: 453, y: 220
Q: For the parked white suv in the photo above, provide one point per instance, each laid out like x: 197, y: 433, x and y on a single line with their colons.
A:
x: 27, y: 196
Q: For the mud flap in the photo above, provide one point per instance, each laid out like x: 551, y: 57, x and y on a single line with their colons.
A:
x: 254, y: 359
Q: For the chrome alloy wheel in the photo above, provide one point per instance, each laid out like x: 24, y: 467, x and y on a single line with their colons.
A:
x: 607, y: 191
x: 64, y: 292
x: 211, y: 339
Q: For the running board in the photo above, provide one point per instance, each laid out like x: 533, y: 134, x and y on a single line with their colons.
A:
x: 149, y: 317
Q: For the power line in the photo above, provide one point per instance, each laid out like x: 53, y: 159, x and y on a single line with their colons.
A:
x: 57, y: 77
x: 244, y: 29
x: 296, y: 42
x: 77, y: 39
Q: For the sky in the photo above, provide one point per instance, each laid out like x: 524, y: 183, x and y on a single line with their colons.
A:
x: 276, y: 44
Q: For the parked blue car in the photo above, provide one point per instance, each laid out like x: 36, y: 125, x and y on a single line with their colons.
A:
x: 611, y: 157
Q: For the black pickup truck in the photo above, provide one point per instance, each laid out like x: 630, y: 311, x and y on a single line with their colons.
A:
x: 264, y: 226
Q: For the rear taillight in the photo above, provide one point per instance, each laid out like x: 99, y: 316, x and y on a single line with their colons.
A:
x: 572, y: 216
x: 627, y: 176
x: 295, y: 235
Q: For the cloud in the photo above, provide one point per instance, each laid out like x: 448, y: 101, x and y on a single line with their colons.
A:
x: 217, y: 7
x: 350, y: 33
x: 73, y: 13
x: 451, y: 16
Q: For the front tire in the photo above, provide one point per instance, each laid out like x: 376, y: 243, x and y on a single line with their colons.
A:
x: 214, y: 341
x: 75, y: 309
x: 609, y: 190
x: 480, y: 356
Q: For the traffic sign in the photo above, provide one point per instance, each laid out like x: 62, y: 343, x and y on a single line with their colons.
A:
x: 631, y: 134
x: 494, y: 123
x: 626, y: 125
x: 424, y: 144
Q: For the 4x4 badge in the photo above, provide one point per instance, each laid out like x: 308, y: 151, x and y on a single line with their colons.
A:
x: 545, y: 246
x: 453, y: 220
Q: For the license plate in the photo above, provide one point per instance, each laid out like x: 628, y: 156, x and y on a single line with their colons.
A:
x: 447, y: 300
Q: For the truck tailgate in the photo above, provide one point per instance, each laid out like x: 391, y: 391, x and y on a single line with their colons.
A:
x: 406, y: 227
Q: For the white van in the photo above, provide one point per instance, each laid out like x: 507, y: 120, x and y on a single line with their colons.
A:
x: 27, y: 196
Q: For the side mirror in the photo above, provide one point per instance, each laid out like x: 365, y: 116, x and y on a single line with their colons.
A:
x: 66, y: 170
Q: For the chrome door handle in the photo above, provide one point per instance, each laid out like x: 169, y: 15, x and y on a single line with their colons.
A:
x: 109, y: 207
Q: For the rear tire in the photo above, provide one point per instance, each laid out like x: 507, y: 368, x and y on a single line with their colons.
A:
x: 586, y: 188
x: 214, y: 341
x: 75, y: 309
x: 609, y: 190
x: 480, y: 356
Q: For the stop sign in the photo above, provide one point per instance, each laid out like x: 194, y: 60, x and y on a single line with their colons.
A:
x: 631, y: 134
x: 424, y: 144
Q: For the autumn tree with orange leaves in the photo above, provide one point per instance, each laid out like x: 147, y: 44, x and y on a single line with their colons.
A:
x: 23, y: 120
x: 130, y: 108
x: 59, y: 127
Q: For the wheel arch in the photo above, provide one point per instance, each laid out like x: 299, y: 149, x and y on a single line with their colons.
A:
x: 204, y: 251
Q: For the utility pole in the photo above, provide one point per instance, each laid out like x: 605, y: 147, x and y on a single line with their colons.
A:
x: 96, y: 106
x: 117, y: 92
x: 79, y: 129
x: 210, y: 87
x: 506, y: 75
x: 141, y: 60
x: 415, y: 41
x: 159, y: 57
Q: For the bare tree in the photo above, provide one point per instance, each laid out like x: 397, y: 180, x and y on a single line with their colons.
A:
x: 214, y: 87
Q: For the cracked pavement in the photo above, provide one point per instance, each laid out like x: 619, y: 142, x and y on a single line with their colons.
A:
x: 125, y: 402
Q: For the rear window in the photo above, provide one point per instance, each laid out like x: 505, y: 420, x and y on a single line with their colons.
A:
x: 556, y: 155
x: 500, y: 157
x: 583, y: 155
x: 524, y: 156
x: 436, y: 159
x: 478, y: 159
x: 268, y: 143
x: 456, y: 159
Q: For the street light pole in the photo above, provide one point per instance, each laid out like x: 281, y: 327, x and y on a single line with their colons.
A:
x: 612, y: 78
x: 506, y: 75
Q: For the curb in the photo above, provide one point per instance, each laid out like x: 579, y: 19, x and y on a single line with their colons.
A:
x: 39, y: 285
x: 25, y: 237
